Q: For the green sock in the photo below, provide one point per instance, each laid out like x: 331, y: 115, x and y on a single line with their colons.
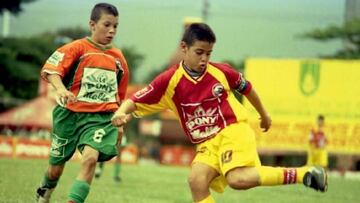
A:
x: 79, y: 191
x: 117, y: 169
x: 49, y: 183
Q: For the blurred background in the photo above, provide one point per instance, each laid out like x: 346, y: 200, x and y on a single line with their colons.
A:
x: 301, y: 56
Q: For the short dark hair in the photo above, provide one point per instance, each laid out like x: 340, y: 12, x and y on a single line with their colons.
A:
x: 101, y: 8
x: 200, y: 32
x: 321, y: 117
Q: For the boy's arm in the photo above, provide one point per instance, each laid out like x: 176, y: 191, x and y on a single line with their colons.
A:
x: 122, y: 115
x: 64, y: 96
x: 254, y: 99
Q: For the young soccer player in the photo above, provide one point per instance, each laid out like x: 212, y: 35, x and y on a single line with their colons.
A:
x: 90, y: 77
x: 200, y: 93
x: 317, y: 153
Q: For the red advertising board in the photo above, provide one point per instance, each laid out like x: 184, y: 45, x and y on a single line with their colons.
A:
x: 177, y: 155
x: 39, y: 149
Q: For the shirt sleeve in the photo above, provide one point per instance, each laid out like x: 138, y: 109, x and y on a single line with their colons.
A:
x: 153, y: 98
x: 236, y: 80
x: 61, y: 61
x: 123, y: 84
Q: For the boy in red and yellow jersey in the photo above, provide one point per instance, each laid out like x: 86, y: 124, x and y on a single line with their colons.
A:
x: 317, y: 154
x: 90, y: 77
x: 200, y: 93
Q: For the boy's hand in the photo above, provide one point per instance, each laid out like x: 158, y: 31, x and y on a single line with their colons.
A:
x: 265, y: 123
x: 120, y: 135
x: 119, y: 119
x: 64, y: 97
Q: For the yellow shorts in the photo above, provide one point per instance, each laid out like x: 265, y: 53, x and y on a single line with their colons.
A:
x: 317, y: 157
x: 234, y: 146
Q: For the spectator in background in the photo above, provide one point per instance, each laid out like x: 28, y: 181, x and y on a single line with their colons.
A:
x: 317, y: 152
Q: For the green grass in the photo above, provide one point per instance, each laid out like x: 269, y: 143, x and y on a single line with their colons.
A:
x: 155, y: 184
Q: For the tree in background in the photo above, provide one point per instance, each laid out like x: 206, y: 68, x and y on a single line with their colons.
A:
x: 134, y: 60
x: 349, y: 32
x: 13, y: 6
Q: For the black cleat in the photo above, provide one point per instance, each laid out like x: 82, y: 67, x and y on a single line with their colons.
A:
x: 316, y: 178
x: 43, y: 194
x: 117, y: 179
x: 98, y: 172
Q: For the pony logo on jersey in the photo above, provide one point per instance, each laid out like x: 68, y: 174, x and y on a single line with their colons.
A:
x: 98, y: 85
x: 217, y: 90
x: 144, y: 91
x: 55, y: 58
x: 202, y: 123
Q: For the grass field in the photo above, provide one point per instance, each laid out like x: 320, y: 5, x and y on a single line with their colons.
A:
x: 156, y: 184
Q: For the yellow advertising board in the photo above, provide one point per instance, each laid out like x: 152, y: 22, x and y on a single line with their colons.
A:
x: 295, y: 91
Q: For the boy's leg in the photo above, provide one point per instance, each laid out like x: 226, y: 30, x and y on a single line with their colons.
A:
x: 248, y: 177
x: 323, y: 162
x: 117, y: 165
x: 205, y: 171
x: 81, y: 186
x: 240, y: 162
x: 63, y: 146
x: 49, y: 183
x: 97, y: 143
x: 199, y: 181
x: 99, y: 169
x: 310, y: 157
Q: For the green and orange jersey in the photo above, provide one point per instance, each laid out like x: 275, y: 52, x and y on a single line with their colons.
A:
x: 98, y: 76
x: 204, y: 106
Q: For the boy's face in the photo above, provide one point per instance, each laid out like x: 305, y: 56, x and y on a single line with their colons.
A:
x: 320, y: 122
x: 103, y: 31
x: 197, y: 55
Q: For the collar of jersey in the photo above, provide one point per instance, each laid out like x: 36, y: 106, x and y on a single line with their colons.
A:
x: 189, y: 77
x: 99, y: 46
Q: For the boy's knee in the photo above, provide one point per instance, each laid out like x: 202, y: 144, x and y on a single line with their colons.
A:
x: 238, y: 181
x: 198, y: 182
x: 54, y: 172
x: 89, y: 161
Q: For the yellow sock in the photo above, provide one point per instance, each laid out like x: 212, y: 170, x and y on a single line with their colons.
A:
x: 208, y: 199
x: 301, y: 173
x: 279, y: 176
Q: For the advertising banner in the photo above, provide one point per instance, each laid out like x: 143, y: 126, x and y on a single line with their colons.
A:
x: 295, y: 92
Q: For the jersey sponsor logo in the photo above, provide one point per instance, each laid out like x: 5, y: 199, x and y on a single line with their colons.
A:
x: 98, y: 86
x: 55, y: 58
x: 217, y: 90
x: 202, y: 123
x: 144, y: 91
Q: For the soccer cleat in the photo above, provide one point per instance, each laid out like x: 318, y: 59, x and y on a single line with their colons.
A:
x: 98, y: 172
x: 43, y: 194
x: 117, y: 179
x: 316, y: 178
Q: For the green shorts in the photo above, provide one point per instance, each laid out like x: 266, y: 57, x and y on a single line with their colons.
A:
x: 73, y: 130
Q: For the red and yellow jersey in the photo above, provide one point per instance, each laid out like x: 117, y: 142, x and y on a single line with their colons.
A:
x: 204, y: 106
x: 97, y: 76
x: 317, y: 138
